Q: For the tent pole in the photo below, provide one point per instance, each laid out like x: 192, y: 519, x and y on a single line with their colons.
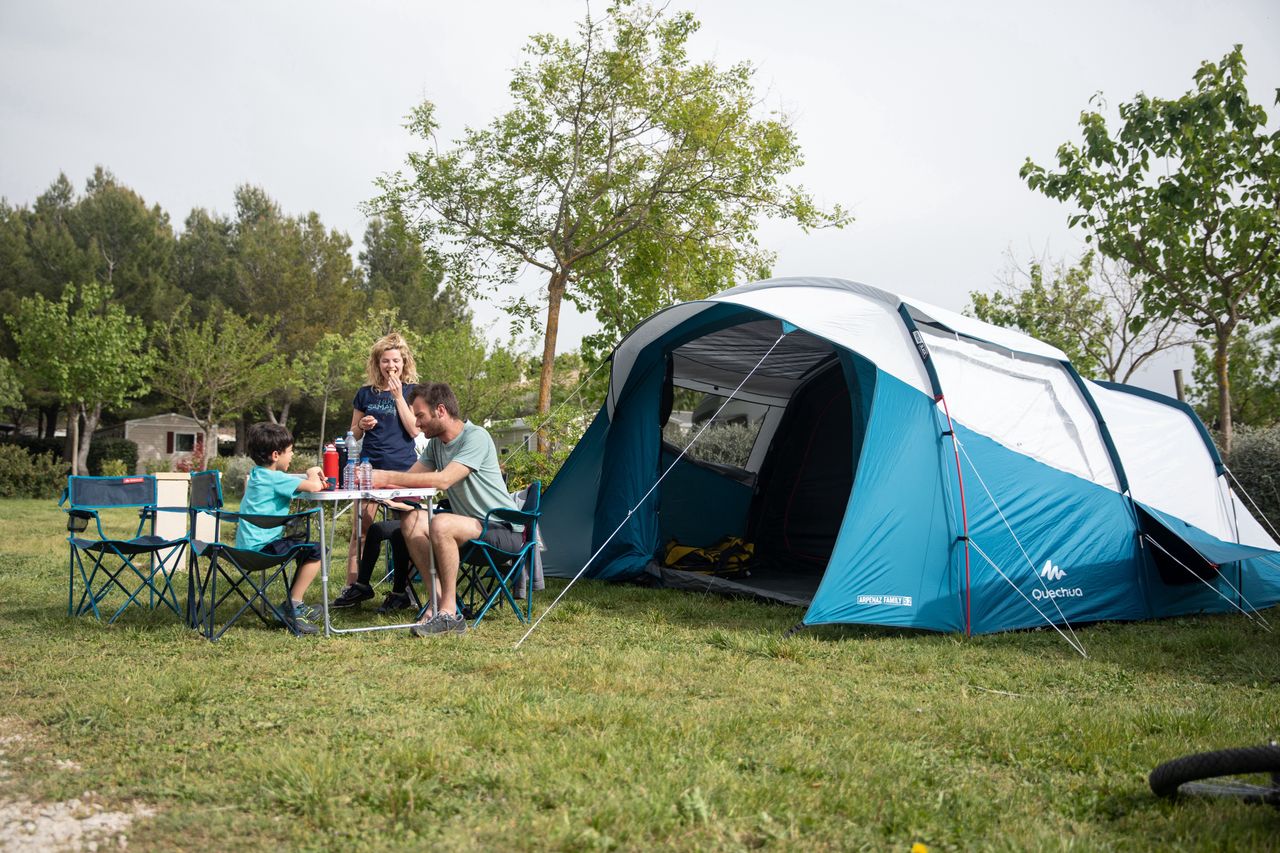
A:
x: 922, y: 350
x: 964, y: 520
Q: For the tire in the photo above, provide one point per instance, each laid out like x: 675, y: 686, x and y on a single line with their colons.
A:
x: 1190, y: 770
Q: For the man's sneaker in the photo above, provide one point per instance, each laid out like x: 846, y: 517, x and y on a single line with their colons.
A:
x: 395, y: 602
x: 352, y: 595
x: 296, y: 622
x: 441, y: 623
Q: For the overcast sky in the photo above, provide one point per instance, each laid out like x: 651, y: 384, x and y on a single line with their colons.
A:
x: 917, y: 116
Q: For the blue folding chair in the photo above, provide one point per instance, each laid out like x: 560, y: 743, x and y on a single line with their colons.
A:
x: 116, y: 562
x: 489, y: 575
x: 245, y: 575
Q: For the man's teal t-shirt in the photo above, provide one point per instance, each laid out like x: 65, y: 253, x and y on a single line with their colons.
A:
x: 481, y: 490
x: 268, y: 492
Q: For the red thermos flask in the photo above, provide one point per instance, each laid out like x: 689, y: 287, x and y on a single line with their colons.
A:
x: 330, y: 465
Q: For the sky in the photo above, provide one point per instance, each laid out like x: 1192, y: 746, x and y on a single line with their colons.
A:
x: 916, y: 116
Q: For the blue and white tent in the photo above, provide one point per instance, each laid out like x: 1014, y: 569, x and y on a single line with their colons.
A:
x: 911, y: 467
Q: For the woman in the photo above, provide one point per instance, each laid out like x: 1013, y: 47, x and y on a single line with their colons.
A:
x: 385, y: 423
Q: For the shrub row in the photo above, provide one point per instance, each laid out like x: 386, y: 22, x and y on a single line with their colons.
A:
x: 100, y: 450
x: 24, y: 475
x: 1255, y: 462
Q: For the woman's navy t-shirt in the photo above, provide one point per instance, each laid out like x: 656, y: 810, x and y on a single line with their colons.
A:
x: 388, y: 445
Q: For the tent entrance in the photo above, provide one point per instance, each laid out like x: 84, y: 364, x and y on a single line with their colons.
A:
x: 775, y: 466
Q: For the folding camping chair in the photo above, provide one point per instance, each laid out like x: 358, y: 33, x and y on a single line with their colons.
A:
x: 245, y: 573
x: 486, y: 572
x: 115, y: 561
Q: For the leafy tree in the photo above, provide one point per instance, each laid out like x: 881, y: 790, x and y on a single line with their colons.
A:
x: 88, y: 350
x: 1187, y: 192
x: 217, y: 368
x: 1087, y: 310
x: 399, y: 274
x: 204, y: 262
x: 332, y: 367
x: 291, y: 273
x: 1254, y: 375
x: 488, y: 380
x: 10, y: 386
x: 129, y: 245
x: 615, y: 140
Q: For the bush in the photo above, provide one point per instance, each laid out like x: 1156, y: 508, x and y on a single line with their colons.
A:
x: 302, y: 461
x: 721, y: 443
x: 113, y: 468
x: 26, y: 476
x: 121, y: 449
x: 235, y: 470
x: 522, y: 465
x: 1255, y: 462
x: 35, y: 446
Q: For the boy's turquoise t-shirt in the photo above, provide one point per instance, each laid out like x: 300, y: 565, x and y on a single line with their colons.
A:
x: 267, y: 492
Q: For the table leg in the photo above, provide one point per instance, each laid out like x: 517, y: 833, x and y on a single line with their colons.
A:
x: 326, y: 544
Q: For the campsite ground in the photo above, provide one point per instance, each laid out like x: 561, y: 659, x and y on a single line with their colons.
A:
x: 632, y: 719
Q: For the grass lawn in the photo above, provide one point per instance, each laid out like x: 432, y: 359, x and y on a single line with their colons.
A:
x: 632, y: 719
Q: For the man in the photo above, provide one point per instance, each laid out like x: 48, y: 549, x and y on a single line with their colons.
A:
x: 461, y: 458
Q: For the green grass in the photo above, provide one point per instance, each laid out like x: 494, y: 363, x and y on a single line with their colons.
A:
x: 632, y: 719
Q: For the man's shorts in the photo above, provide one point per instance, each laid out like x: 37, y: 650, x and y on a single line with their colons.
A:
x: 500, y: 535
x: 307, y: 553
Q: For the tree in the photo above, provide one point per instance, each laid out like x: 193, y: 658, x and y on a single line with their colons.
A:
x: 1254, y: 376
x: 10, y: 386
x: 88, y: 350
x: 615, y: 139
x: 1087, y: 310
x: 217, y: 368
x: 1187, y: 191
x: 399, y: 274
x: 291, y: 273
x: 129, y: 245
x: 333, y: 366
x: 204, y: 262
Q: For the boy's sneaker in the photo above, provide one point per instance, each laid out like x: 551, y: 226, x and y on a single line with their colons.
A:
x: 352, y: 595
x: 309, y: 612
x: 296, y: 622
x: 395, y: 602
x: 441, y: 623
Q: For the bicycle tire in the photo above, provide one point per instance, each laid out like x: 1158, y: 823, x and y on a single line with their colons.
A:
x: 1195, y: 771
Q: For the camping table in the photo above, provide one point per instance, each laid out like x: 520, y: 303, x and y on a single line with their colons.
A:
x: 335, y: 502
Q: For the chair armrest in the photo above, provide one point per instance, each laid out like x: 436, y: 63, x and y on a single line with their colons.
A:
x: 78, y: 519
x: 516, y: 516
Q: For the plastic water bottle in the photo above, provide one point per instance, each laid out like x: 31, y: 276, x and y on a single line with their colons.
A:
x: 366, y: 473
x: 349, y: 474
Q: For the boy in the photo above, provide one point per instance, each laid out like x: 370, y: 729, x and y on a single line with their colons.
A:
x: 268, y: 491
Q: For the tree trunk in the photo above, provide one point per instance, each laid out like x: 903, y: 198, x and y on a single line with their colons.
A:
x: 73, y: 438
x: 284, y: 413
x: 210, y: 446
x: 91, y: 420
x: 241, y: 437
x: 324, y: 412
x: 555, y: 291
x: 49, y: 420
x: 1220, y: 363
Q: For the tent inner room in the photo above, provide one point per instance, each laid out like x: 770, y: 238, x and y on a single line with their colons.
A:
x: 772, y: 463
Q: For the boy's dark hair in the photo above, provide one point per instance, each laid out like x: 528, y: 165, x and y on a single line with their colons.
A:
x: 267, y: 438
x: 436, y: 394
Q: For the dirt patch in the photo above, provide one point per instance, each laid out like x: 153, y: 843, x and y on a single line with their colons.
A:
x: 82, y: 823
x: 70, y: 825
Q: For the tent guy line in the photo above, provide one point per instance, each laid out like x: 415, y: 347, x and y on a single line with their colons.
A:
x: 1025, y: 556
x: 640, y: 502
